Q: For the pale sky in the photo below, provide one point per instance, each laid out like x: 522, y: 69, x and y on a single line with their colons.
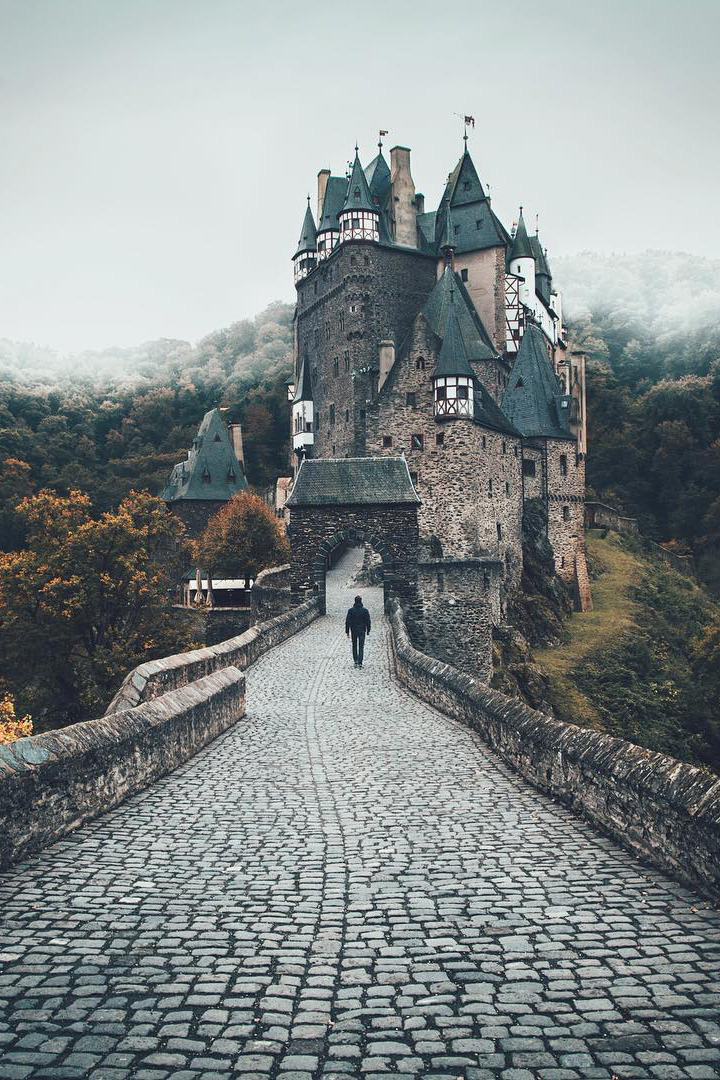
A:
x: 155, y: 154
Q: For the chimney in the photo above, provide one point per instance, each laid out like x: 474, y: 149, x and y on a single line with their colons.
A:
x: 420, y: 203
x: 404, y: 210
x: 323, y: 177
x: 236, y: 441
x: 387, y: 359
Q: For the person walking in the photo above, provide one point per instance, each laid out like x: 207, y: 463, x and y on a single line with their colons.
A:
x: 357, y: 625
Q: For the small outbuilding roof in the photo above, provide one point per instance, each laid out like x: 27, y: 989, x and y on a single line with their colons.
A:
x: 353, y: 481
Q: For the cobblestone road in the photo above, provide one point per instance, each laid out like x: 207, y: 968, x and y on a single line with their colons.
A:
x: 349, y: 884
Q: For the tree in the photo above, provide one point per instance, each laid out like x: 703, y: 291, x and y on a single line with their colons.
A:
x: 85, y: 601
x: 242, y: 539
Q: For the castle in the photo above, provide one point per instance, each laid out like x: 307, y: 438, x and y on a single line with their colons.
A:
x: 437, y: 337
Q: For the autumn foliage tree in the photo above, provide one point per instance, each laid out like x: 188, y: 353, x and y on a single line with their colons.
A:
x: 242, y: 539
x: 86, y: 600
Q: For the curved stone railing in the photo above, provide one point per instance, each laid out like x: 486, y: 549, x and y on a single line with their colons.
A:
x: 156, y: 677
x: 270, y: 594
x: 50, y: 784
x: 165, y: 711
x: 663, y: 810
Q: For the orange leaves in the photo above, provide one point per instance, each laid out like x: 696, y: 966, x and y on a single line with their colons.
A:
x: 10, y: 727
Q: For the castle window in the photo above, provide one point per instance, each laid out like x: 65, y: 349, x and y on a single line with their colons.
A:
x: 331, y: 415
x: 347, y: 415
x: 466, y: 185
x: 413, y: 477
x: 456, y: 229
x: 562, y: 560
x: 566, y: 513
x: 463, y: 392
x: 346, y: 360
x: 463, y: 274
x: 507, y: 488
x: 563, y: 465
x: 515, y: 450
x: 490, y: 489
x: 504, y: 448
x: 416, y: 442
x: 376, y: 200
x: 478, y: 224
x: 440, y: 393
x: 327, y: 332
x: 206, y: 478
x: 216, y: 439
x: 519, y: 384
x: 231, y: 476
x: 321, y: 245
x: 411, y: 398
x: 387, y: 440
x: 355, y: 225
x: 366, y: 260
x: 420, y: 363
x: 440, y: 438
x: 336, y: 366
x: 484, y: 444
x: 499, y: 531
x: 528, y: 467
x: 317, y: 337
x: 314, y: 372
x: 356, y: 193
x: 341, y: 320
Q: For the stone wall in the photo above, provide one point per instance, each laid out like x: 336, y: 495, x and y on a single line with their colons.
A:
x: 196, y: 513
x: 208, y: 626
x: 363, y: 294
x: 486, y: 285
x: 50, y: 784
x: 457, y: 612
x: 156, y: 677
x: 600, y: 516
x: 666, y: 812
x: 271, y: 594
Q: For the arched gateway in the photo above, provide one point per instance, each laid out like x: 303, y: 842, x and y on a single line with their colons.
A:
x: 343, y: 501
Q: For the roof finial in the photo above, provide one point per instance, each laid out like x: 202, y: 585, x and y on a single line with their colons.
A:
x: 468, y: 121
x: 452, y: 295
x: 308, y: 199
x: 520, y: 209
x: 380, y: 143
x: 356, y: 147
x: 537, y: 224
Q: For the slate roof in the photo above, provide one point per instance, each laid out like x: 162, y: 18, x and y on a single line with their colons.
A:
x: 476, y: 340
x: 543, y: 276
x: 377, y: 175
x: 303, y: 390
x: 474, y: 224
x: 335, y: 193
x: 358, y: 195
x: 521, y: 246
x: 452, y: 358
x: 308, y: 233
x: 534, y: 400
x: 352, y: 481
x: 211, y: 456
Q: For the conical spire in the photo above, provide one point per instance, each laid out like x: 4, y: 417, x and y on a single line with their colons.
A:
x: 521, y: 247
x: 308, y: 233
x: 358, y: 193
x: 452, y: 359
x: 303, y: 391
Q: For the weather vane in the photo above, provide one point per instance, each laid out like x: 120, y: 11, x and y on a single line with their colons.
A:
x: 468, y: 121
x: 380, y: 145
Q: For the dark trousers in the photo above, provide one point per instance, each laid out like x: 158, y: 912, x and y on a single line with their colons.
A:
x: 358, y: 643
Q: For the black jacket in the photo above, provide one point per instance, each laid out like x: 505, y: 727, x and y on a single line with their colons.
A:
x: 357, y: 620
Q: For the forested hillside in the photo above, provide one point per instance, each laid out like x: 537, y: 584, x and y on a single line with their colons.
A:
x: 651, y: 326
x: 107, y: 423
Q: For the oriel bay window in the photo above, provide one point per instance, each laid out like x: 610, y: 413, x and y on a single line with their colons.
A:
x: 453, y: 396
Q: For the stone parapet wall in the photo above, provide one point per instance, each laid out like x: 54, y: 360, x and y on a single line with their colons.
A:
x: 156, y: 677
x: 664, y: 811
x: 50, y: 784
x: 270, y: 594
x: 600, y: 516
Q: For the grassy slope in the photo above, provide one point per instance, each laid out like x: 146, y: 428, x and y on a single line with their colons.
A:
x: 626, y: 668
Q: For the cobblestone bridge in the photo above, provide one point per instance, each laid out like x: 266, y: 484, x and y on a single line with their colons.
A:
x: 349, y: 884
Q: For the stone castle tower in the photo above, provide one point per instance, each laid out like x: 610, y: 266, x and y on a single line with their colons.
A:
x: 438, y: 337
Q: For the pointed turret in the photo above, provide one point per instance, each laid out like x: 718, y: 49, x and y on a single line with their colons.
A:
x: 453, y: 378
x: 305, y: 257
x: 543, y: 277
x: 475, y: 225
x: 360, y: 216
x: 328, y: 233
x: 448, y: 242
x: 522, y: 262
x: 303, y: 412
x: 534, y: 400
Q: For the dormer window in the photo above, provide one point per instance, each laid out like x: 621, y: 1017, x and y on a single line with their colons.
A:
x: 356, y: 194
x: 216, y: 439
x: 453, y: 396
x: 206, y: 478
x: 456, y: 230
x: 231, y: 478
x: 466, y: 185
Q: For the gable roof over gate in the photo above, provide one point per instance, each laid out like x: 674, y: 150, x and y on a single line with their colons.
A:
x: 353, y: 481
